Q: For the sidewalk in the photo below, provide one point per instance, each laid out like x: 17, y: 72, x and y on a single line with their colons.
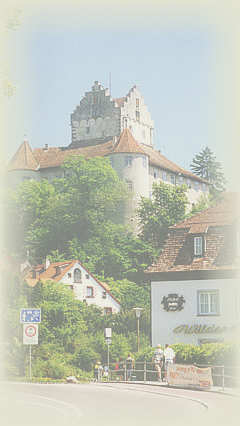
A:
x: 217, y: 389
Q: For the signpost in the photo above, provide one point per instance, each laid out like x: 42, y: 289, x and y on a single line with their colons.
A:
x: 108, y: 337
x: 30, y: 318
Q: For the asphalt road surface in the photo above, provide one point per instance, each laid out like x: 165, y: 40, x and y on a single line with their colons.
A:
x: 113, y: 404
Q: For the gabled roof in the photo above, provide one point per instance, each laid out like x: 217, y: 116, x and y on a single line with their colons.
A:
x: 218, y: 224
x: 23, y: 159
x: 43, y: 274
x: 54, y: 157
x: 224, y: 212
x: 127, y: 144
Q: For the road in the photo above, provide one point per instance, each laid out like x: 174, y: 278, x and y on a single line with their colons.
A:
x: 113, y: 404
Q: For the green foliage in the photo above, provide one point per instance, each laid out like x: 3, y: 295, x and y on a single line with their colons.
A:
x: 203, y: 203
x: 167, y: 206
x: 209, y: 353
x: 43, y: 216
x: 205, y: 165
x: 130, y: 294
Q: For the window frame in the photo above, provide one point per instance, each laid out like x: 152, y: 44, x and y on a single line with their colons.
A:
x: 74, y: 275
x: 208, y: 292
x: 90, y: 296
x: 195, y: 251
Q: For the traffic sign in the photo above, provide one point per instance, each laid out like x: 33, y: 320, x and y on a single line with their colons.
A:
x: 30, y: 334
x: 30, y: 315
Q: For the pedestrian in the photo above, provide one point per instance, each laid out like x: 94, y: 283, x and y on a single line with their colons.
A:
x: 129, y: 366
x: 105, y: 371
x: 158, y: 361
x: 169, y: 357
x: 98, y: 368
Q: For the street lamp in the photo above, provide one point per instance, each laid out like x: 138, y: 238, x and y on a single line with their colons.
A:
x: 108, y: 337
x: 138, y: 314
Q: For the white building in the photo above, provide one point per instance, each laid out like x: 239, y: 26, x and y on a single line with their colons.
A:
x: 195, y: 285
x: 84, y: 285
x: 120, y: 129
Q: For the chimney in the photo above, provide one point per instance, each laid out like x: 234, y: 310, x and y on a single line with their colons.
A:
x: 47, y: 263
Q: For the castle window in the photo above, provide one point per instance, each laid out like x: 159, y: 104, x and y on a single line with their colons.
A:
x: 77, y: 275
x: 208, y: 302
x: 137, y: 115
x: 144, y: 162
x: 128, y: 161
x: 189, y: 183
x: 129, y: 185
x: 198, y: 246
x: 137, y: 103
x: 164, y: 176
x: 172, y: 178
x: 104, y: 294
x: 87, y: 129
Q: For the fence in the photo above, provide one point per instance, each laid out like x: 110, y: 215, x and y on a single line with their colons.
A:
x: 145, y: 371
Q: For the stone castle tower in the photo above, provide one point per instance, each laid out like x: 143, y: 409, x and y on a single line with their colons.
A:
x: 99, y: 118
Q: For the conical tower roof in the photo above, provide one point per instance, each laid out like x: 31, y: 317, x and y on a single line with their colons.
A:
x: 23, y: 159
x: 127, y: 144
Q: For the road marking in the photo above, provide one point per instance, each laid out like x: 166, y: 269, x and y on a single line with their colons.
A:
x: 198, y: 401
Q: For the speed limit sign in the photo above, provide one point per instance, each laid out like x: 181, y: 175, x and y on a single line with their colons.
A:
x: 30, y: 334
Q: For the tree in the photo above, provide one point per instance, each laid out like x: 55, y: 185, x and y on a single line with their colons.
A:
x: 43, y: 216
x: 167, y: 206
x: 206, y: 166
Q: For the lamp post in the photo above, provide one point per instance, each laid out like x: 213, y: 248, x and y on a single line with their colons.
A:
x: 138, y: 314
x: 108, y: 337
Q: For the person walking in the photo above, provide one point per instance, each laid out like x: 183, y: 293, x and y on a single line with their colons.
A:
x: 169, y: 358
x: 129, y: 366
x: 98, y: 369
x: 158, y: 361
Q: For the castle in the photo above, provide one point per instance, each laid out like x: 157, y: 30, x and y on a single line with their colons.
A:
x: 120, y: 129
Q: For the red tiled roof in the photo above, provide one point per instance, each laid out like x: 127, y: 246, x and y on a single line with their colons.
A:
x: 23, y: 159
x: 158, y: 159
x: 54, y: 157
x: 120, y: 101
x: 127, y: 144
x: 50, y: 274
x: 177, y: 254
x: 224, y: 212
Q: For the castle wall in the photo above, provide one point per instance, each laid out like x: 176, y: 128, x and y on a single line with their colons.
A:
x: 97, y: 116
x: 195, y: 188
x: 135, y: 116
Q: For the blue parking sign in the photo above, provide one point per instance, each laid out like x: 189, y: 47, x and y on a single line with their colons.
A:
x: 30, y: 315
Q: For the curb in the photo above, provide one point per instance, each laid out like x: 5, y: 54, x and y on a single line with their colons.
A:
x: 219, y: 391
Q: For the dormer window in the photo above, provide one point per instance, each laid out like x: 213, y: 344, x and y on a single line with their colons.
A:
x: 198, y: 246
x: 77, y: 275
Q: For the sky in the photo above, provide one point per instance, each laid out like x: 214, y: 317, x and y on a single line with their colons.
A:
x: 181, y: 63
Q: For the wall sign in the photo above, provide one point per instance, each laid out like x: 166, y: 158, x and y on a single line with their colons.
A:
x: 173, y: 302
x: 200, y: 329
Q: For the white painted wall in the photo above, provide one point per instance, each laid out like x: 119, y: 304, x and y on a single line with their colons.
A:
x: 142, y: 130
x: 80, y: 289
x: 164, y: 322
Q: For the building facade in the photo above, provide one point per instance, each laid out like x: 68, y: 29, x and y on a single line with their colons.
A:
x: 120, y: 129
x: 79, y: 280
x: 195, y: 283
